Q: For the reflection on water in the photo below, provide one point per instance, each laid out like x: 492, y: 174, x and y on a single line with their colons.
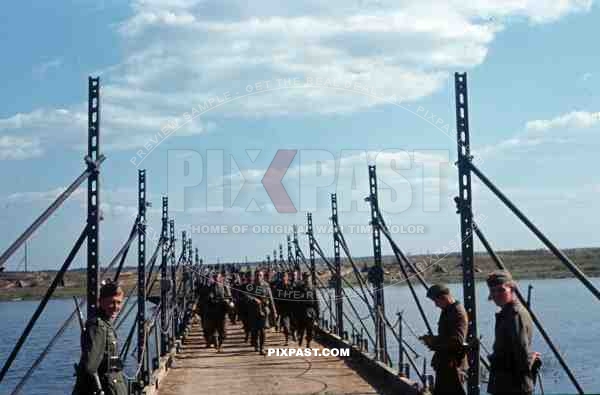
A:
x: 569, y: 312
x: 55, y: 375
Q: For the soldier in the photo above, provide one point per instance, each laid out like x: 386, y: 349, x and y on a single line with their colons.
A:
x: 100, y: 370
x: 274, y: 282
x: 449, y: 360
x: 244, y: 303
x: 236, y: 284
x: 201, y: 304
x: 308, y: 309
x: 285, y: 304
x: 512, y: 360
x: 218, y: 302
x: 297, y: 309
x: 261, y: 305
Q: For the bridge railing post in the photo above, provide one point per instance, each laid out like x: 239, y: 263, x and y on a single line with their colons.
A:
x: 376, y: 274
x: 464, y: 205
x: 173, y: 296
x: 339, y: 302
x: 182, y: 297
x: 141, y: 313
x: 311, y: 245
x: 164, y: 279
x: 93, y: 196
x: 190, y: 277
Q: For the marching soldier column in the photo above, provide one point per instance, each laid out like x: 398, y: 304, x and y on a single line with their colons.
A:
x: 284, y: 305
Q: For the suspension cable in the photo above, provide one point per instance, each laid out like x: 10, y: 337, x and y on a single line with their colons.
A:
x: 44, y: 301
x: 400, y: 257
x: 369, y: 306
x: 534, y: 318
x: 122, y: 253
x: 322, y: 255
x: 47, y: 213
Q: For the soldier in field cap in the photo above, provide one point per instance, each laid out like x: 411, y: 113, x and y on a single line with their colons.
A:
x: 449, y: 359
x: 100, y: 370
x: 512, y: 361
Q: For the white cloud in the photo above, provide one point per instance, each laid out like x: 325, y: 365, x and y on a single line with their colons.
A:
x: 178, y: 54
x: 511, y: 144
x: 571, y: 120
x: 19, y: 148
x: 405, y: 49
x: 144, y: 19
x: 122, y: 126
x: 45, y: 119
x: 543, y: 131
x: 536, y: 11
x: 112, y: 199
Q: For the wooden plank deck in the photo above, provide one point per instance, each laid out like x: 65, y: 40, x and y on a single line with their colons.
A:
x: 238, y: 369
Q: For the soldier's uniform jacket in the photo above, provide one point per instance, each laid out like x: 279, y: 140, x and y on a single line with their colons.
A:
x: 309, y: 307
x: 235, y: 291
x: 100, y: 356
x: 202, y: 297
x: 284, y: 298
x: 261, y: 292
x: 218, y: 298
x: 448, y: 344
x: 511, y: 358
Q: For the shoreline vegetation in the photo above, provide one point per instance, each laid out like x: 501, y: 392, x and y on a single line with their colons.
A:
x: 523, y: 264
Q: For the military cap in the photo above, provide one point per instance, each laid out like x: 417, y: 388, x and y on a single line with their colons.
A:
x: 499, y: 277
x: 437, y: 290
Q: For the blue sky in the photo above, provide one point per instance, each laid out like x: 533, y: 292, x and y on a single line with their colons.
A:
x: 533, y: 112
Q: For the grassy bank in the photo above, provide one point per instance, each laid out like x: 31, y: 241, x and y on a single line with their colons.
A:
x: 524, y: 264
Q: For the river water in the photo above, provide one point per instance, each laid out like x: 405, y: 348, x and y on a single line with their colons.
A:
x: 569, y: 312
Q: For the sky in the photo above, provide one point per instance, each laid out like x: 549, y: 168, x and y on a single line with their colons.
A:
x: 205, y: 96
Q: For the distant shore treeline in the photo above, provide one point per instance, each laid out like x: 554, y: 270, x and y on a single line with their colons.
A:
x: 524, y: 264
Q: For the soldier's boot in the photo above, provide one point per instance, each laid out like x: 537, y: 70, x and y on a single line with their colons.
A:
x: 254, y: 340
x: 246, y: 338
x: 262, y: 342
x: 309, y: 336
x: 206, y: 338
x: 222, y: 335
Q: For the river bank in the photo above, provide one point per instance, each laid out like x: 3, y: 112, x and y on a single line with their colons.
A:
x: 524, y: 264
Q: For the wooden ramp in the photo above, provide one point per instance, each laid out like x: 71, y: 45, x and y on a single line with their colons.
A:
x: 238, y: 369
